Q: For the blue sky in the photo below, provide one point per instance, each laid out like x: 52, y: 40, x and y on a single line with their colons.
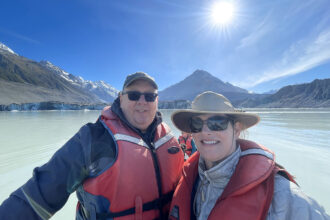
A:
x: 266, y: 45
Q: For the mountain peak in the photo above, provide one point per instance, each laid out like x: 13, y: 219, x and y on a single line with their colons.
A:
x: 203, y: 76
x: 199, y: 81
x: 46, y: 63
x: 103, y: 90
x: 200, y: 74
x: 4, y: 47
x: 52, y: 67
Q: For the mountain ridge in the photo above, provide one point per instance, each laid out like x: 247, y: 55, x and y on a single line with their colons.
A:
x: 315, y: 94
x: 26, y: 81
x: 101, y: 89
x: 196, y: 83
x: 5, y: 48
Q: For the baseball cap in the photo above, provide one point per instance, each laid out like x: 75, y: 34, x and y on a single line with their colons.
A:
x: 139, y: 76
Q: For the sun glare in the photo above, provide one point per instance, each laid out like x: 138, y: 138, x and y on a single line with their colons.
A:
x: 222, y: 13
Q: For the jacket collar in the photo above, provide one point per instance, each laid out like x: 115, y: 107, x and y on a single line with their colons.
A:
x: 221, y: 173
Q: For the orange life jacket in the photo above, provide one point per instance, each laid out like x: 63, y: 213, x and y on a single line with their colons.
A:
x: 248, y: 194
x: 187, y: 143
x: 129, y: 188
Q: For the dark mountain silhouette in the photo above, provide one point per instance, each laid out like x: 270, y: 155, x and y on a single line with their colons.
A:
x: 198, y: 82
x: 308, y: 95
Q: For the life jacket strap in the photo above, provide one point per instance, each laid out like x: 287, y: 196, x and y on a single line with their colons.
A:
x: 155, y: 204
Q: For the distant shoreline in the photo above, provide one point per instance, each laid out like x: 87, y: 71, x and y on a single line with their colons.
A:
x: 179, y: 104
x: 51, y: 106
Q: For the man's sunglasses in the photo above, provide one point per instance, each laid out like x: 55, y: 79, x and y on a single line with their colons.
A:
x: 214, y: 123
x: 135, y: 95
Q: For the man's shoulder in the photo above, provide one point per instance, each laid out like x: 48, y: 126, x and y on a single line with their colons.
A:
x: 94, y: 127
x: 103, y: 146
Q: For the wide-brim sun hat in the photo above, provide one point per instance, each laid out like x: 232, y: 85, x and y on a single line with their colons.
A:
x: 212, y: 103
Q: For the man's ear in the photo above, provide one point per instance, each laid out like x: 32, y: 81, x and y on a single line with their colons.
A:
x: 120, y: 95
x: 157, y: 102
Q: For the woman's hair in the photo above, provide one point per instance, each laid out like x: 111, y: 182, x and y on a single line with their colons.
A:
x: 244, y: 132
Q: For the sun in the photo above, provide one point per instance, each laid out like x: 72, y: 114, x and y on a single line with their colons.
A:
x: 222, y: 13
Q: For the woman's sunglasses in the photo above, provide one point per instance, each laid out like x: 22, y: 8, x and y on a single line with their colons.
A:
x: 135, y: 95
x: 214, y: 123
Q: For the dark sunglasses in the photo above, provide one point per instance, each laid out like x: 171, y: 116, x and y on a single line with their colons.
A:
x: 135, y: 95
x: 214, y: 123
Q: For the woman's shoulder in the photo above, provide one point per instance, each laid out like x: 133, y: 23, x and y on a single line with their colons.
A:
x: 290, y: 202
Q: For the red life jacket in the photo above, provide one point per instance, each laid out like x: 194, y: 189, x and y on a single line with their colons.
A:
x: 187, y: 142
x: 129, y: 187
x: 248, y: 194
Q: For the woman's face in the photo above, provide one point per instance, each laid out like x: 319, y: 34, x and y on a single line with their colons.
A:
x: 215, y: 146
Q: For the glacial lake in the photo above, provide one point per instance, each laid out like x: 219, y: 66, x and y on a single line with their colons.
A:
x: 300, y: 139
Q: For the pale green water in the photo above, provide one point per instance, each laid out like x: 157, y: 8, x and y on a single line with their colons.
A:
x: 300, y: 139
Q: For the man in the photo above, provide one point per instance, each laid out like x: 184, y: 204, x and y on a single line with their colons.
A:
x: 124, y: 165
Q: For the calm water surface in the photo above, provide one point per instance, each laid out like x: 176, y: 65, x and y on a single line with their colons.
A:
x: 300, y: 139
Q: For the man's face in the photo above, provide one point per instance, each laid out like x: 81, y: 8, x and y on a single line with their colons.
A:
x: 139, y: 113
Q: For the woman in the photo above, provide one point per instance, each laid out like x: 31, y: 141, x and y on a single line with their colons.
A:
x: 232, y: 178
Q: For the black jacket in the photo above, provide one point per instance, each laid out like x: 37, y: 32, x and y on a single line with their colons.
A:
x: 51, y: 185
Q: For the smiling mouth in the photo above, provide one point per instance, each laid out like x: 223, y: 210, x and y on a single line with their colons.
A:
x: 141, y: 111
x: 209, y: 142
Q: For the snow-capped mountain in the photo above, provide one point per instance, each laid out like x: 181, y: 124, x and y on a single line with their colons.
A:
x: 4, y: 47
x: 101, y: 89
x: 23, y: 80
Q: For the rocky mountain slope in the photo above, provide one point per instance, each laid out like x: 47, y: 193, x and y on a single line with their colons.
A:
x: 308, y: 95
x: 23, y: 80
x: 315, y: 94
x: 44, y: 85
x: 101, y: 89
